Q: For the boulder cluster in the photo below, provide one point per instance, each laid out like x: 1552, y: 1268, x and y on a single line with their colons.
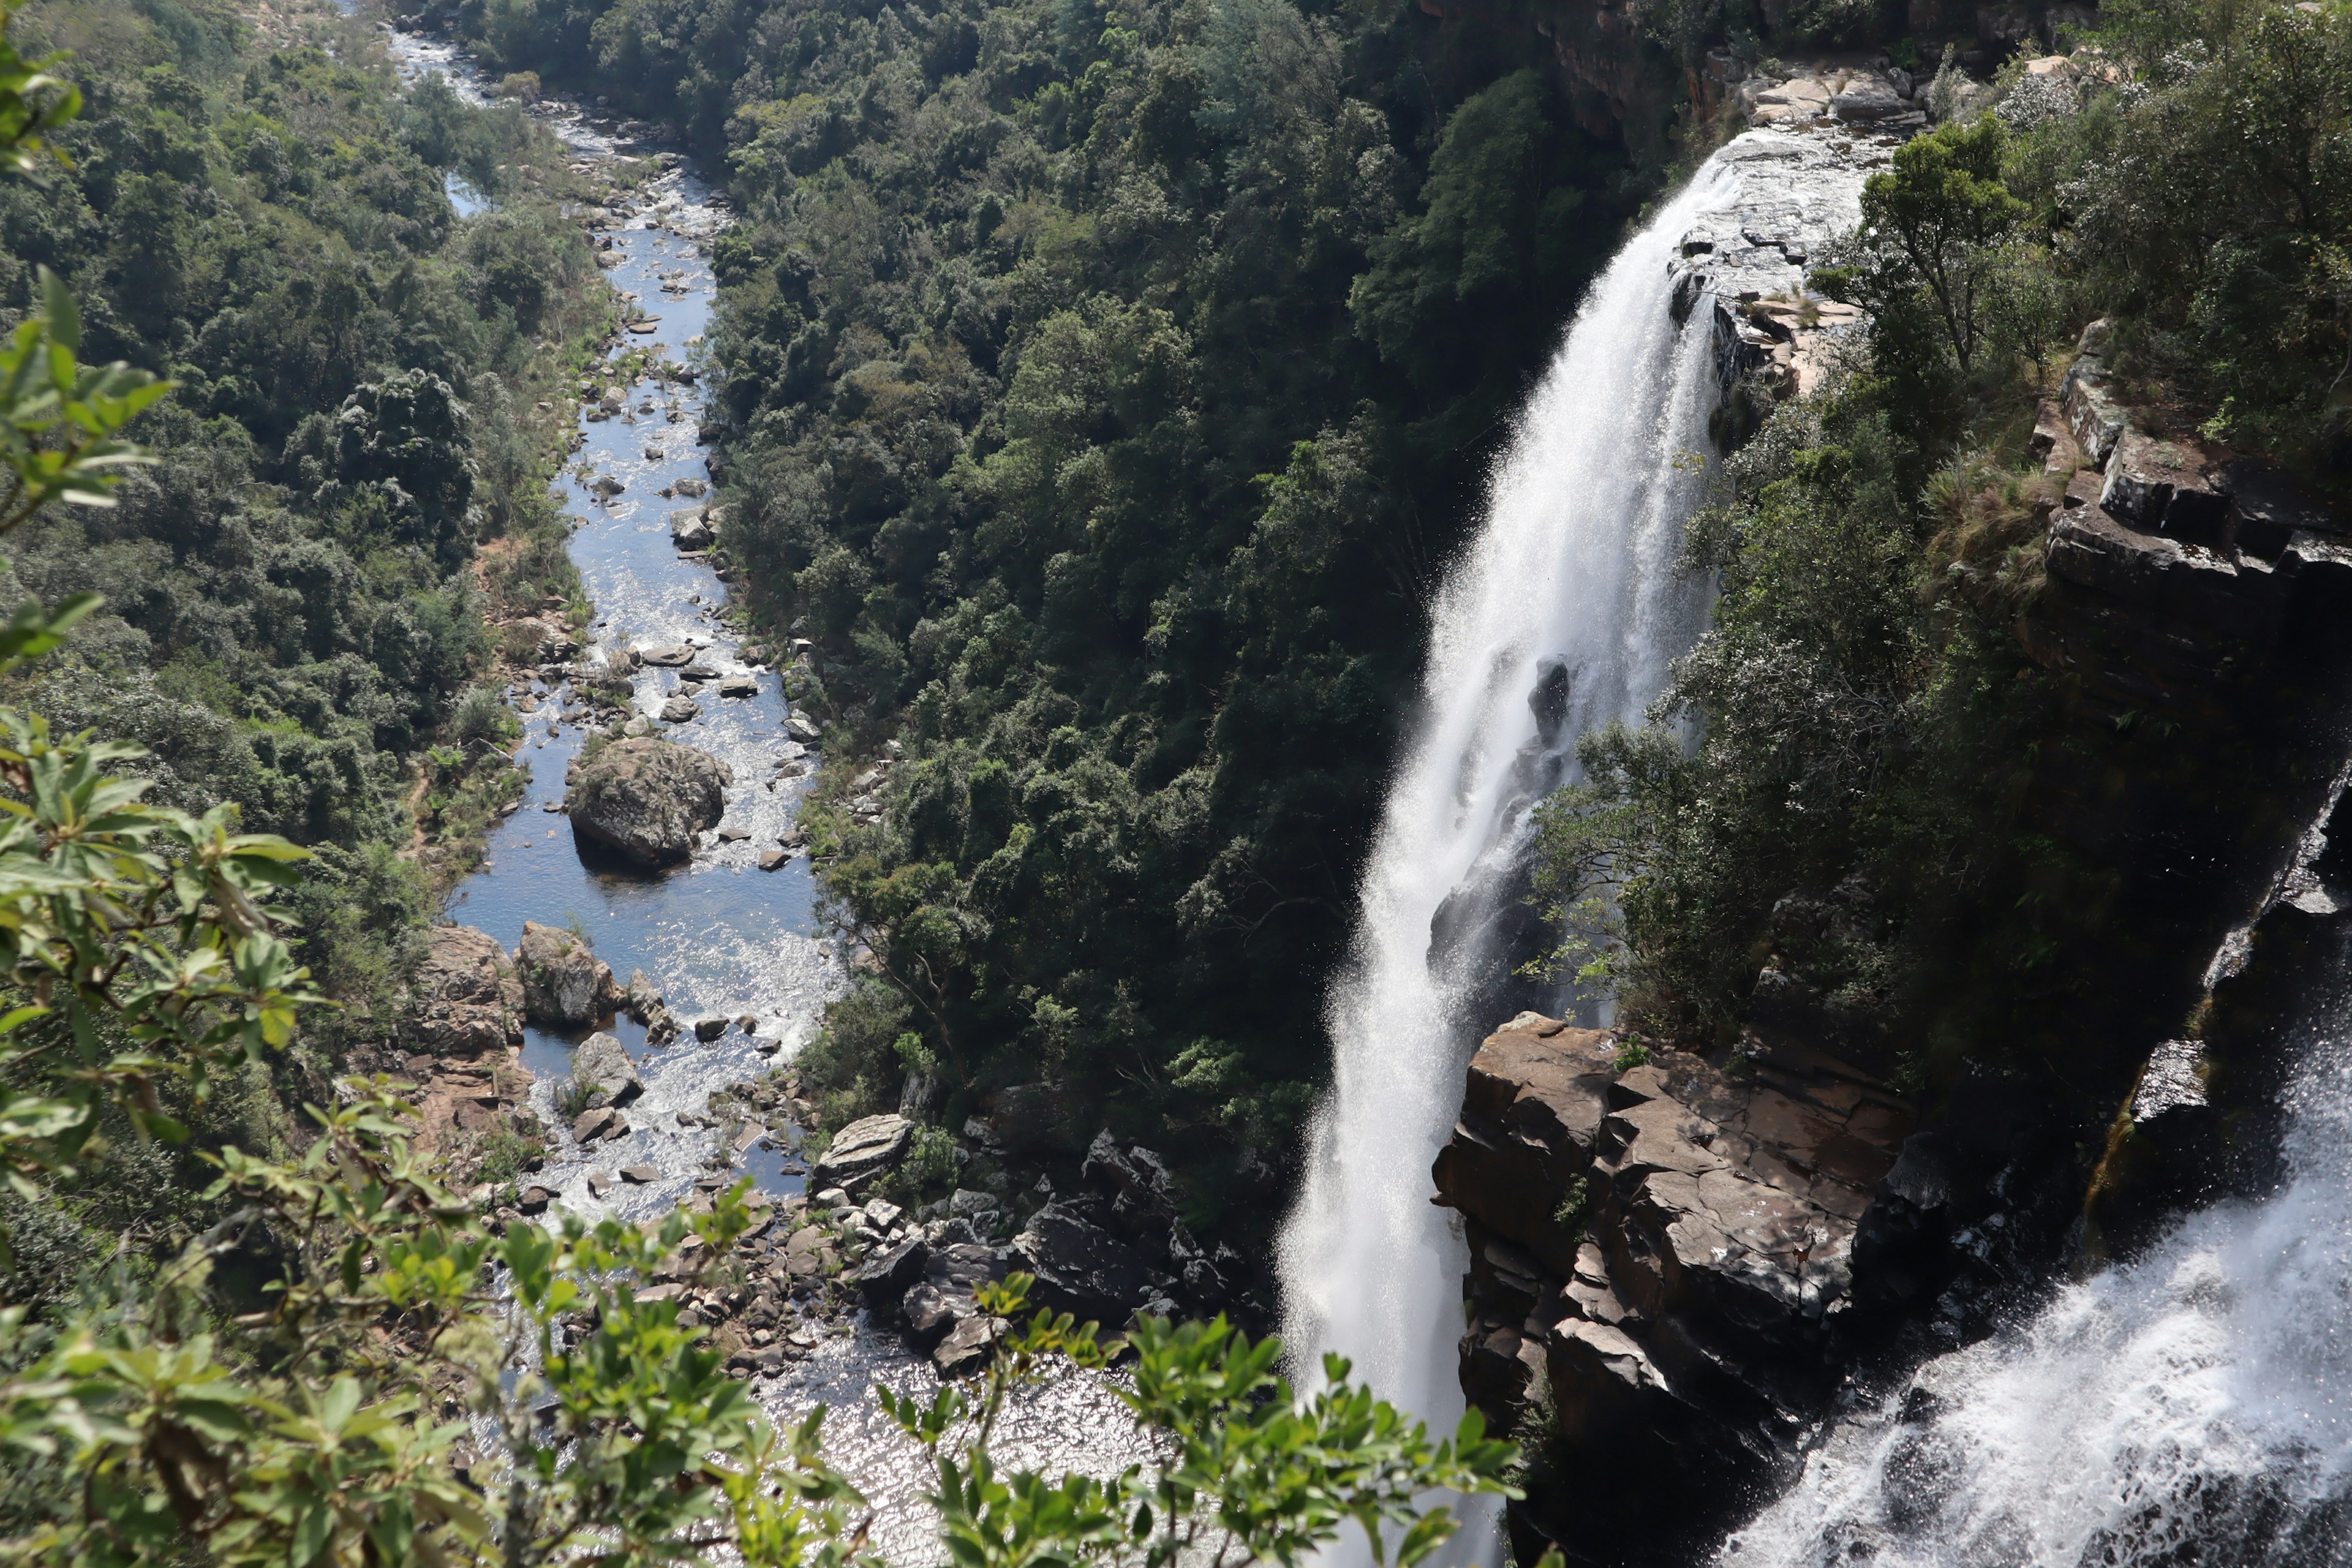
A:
x: 1659, y: 1250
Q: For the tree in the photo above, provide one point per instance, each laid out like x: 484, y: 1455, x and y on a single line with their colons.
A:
x: 1929, y: 244
x: 335, y: 1426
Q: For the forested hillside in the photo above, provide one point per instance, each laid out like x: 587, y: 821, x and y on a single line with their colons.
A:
x: 1106, y: 388
x: 291, y: 605
x: 293, y: 611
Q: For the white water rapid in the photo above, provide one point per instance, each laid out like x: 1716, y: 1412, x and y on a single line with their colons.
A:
x: 1568, y: 601
x: 2193, y: 1406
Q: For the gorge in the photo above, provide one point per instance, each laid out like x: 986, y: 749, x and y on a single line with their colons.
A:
x: 1635, y: 716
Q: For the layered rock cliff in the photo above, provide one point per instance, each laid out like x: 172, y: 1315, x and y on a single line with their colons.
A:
x: 1679, y: 1264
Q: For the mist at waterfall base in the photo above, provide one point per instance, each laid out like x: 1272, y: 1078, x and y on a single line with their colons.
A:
x: 1567, y: 601
x: 2193, y: 1406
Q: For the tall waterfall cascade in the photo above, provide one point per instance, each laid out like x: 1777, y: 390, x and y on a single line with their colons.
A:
x: 1565, y: 611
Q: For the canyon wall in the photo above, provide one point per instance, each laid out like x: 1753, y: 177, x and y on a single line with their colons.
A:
x: 1679, y: 1263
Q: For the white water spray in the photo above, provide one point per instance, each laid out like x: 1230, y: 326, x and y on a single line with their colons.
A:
x: 1571, y: 585
x: 2191, y: 1407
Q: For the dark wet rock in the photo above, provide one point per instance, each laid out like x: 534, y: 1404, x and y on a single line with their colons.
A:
x: 602, y: 1067
x: 564, y: 983
x: 863, y: 1149
x: 1081, y: 1268
x: 467, y: 999
x: 969, y: 1347
x: 534, y: 1200
x: 892, y: 1271
x: 709, y: 1028
x: 1659, y: 1254
x: 648, y: 799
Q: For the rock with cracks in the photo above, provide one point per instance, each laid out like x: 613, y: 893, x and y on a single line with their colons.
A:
x: 648, y: 799
x: 467, y: 999
x: 563, y: 982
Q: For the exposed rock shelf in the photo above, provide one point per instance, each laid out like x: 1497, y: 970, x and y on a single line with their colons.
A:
x: 1658, y: 1253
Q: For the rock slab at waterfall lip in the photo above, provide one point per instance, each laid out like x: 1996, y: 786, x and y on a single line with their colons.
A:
x: 649, y: 799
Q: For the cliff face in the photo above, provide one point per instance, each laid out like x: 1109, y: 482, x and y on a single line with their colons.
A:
x: 1678, y: 1264
x: 1660, y: 1256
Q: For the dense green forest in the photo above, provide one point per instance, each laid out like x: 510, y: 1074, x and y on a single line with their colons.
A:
x: 1105, y: 388
x: 1860, y: 809
x: 292, y: 609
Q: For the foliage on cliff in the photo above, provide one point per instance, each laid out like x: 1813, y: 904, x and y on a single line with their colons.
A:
x: 1867, y: 720
x: 1107, y: 386
x: 291, y: 609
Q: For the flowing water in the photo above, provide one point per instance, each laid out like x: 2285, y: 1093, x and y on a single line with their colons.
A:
x: 2190, y: 1406
x: 1565, y: 613
x: 719, y: 936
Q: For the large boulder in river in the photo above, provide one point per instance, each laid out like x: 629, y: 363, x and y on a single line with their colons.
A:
x: 467, y: 999
x: 562, y: 981
x: 648, y: 798
x: 603, y: 1069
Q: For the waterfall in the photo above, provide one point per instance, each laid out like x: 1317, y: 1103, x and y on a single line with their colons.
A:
x: 2193, y: 1406
x: 1568, y: 601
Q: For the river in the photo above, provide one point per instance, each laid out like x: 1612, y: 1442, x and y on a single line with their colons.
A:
x: 718, y: 937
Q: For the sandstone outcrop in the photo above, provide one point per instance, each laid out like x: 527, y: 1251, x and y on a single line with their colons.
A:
x: 564, y: 983
x: 863, y: 1149
x: 1661, y: 1254
x: 648, y: 799
x: 466, y: 1000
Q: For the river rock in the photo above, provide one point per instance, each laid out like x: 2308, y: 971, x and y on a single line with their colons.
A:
x: 466, y: 999
x: 666, y: 656
x: 1081, y: 1268
x: 1868, y: 98
x: 802, y: 728
x: 739, y: 686
x: 601, y: 1062
x: 649, y: 799
x: 680, y: 710
x: 892, y: 1271
x: 709, y: 1028
x: 690, y: 529
x: 970, y: 1347
x: 564, y: 983
x: 862, y: 1149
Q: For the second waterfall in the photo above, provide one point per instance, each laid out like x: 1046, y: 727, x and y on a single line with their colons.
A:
x: 1565, y: 611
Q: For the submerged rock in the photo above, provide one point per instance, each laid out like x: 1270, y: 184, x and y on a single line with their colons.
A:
x: 649, y: 799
